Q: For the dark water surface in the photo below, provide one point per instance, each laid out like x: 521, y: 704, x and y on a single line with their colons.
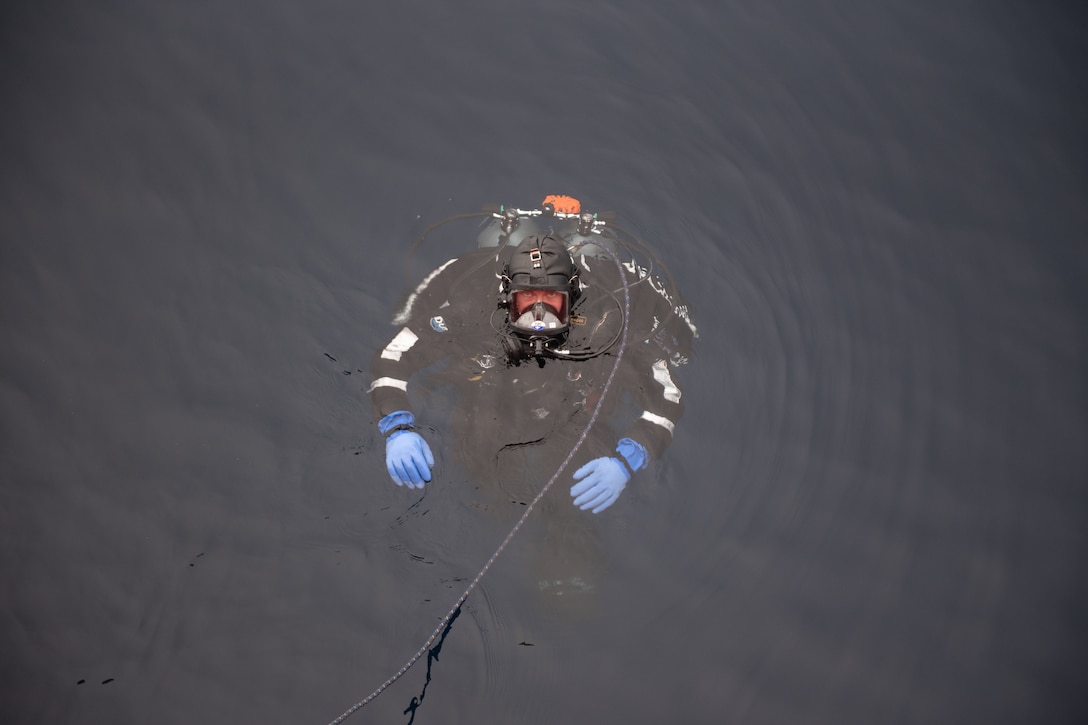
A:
x: 873, y: 511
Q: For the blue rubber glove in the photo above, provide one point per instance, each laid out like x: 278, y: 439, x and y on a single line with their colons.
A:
x: 605, y: 478
x: 633, y: 452
x: 602, y: 481
x: 408, y: 458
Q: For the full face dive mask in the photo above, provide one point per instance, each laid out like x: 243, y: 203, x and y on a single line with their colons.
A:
x: 539, y: 284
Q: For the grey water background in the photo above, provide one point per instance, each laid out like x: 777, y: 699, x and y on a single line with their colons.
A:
x: 873, y: 510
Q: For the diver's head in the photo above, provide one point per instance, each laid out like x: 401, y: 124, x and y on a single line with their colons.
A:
x: 540, y: 282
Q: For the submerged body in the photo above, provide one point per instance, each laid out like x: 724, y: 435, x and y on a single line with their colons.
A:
x: 527, y: 359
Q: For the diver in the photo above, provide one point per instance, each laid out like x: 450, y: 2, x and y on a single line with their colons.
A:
x: 528, y: 333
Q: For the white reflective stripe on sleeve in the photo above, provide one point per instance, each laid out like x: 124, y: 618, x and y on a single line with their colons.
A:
x: 661, y: 375
x: 406, y: 312
x: 400, y: 344
x: 388, y: 383
x: 658, y: 420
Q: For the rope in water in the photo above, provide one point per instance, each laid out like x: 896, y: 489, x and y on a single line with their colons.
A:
x: 529, y: 509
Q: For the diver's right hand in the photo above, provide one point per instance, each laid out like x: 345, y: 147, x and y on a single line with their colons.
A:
x: 408, y: 458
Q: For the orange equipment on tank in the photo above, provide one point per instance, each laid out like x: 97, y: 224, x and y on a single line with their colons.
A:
x: 563, y: 204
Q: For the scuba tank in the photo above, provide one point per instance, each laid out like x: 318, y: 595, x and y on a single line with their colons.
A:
x: 578, y: 235
x: 509, y: 229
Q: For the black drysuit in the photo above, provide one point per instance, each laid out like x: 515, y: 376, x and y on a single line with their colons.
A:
x: 451, y: 325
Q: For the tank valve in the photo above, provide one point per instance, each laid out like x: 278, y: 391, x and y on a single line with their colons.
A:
x: 510, y: 220
x: 585, y: 223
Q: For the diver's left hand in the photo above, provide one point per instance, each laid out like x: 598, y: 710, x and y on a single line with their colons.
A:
x: 603, y: 479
